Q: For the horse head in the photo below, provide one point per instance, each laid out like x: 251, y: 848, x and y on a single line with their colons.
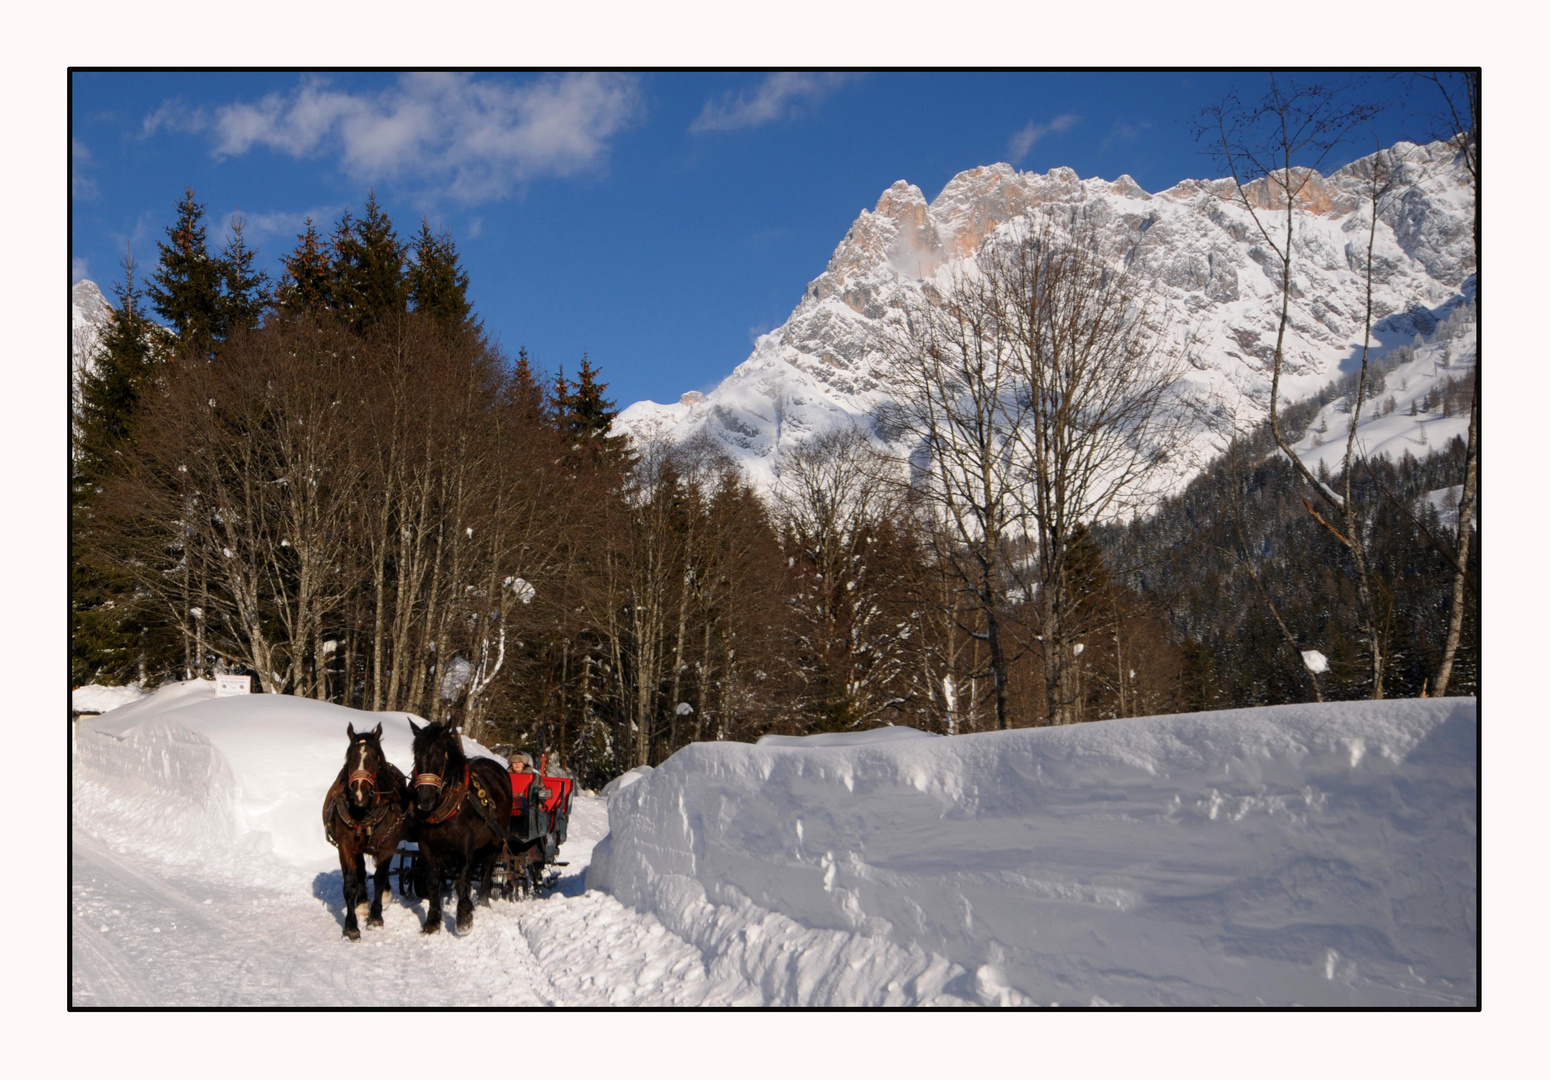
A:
x: 362, y: 764
x: 438, y: 761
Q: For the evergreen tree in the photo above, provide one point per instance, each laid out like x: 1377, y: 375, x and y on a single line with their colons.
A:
x: 343, y: 288
x: 308, y: 281
x: 369, y: 267
x: 126, y: 355
x: 244, y: 291
x: 526, y: 395
x: 438, y: 286
x: 107, y: 634
x: 185, y: 290
x: 561, y: 406
x: 588, y: 416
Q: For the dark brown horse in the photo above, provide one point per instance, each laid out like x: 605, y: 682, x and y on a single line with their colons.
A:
x: 462, y: 810
x: 365, y: 813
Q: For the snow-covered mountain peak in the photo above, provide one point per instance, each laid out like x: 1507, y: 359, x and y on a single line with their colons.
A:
x: 1216, y: 276
x: 90, y: 315
x: 88, y: 304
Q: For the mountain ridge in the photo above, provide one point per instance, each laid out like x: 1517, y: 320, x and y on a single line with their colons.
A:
x: 826, y: 365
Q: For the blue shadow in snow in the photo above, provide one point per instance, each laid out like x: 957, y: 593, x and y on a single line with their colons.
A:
x: 1400, y: 328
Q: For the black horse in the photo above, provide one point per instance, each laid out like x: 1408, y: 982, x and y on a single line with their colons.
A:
x: 365, y: 813
x: 462, y: 810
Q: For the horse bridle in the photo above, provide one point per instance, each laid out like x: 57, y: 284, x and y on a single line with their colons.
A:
x: 367, y: 777
x: 452, y: 802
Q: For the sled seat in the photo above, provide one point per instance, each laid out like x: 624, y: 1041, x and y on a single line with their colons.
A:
x: 554, y: 799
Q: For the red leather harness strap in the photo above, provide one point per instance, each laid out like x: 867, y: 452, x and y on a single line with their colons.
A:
x: 455, y: 798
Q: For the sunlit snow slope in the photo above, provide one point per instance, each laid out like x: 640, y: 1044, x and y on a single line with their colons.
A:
x: 1314, y: 855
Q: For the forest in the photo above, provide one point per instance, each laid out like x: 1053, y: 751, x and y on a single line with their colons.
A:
x: 337, y: 483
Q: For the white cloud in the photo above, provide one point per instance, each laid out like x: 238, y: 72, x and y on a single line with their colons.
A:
x: 1019, y: 145
x: 173, y: 115
x: 81, y: 185
x: 79, y: 269
x: 284, y: 225
x: 468, y: 138
x: 780, y: 96
x: 1123, y: 131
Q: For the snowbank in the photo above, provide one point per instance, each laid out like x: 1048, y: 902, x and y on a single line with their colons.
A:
x: 875, y: 737
x: 191, y: 778
x: 624, y: 780
x: 101, y: 699
x: 1315, y: 855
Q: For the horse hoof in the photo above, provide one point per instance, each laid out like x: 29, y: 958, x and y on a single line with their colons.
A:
x: 374, y: 920
x: 352, y: 933
x: 431, y: 926
x: 465, y: 924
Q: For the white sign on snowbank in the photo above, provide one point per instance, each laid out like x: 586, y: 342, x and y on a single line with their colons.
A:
x: 232, y: 685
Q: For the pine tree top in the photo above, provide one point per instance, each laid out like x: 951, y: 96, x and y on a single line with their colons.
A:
x: 437, y: 284
x: 585, y: 415
x: 185, y: 286
x: 245, y: 292
x: 308, y: 282
x: 368, y: 279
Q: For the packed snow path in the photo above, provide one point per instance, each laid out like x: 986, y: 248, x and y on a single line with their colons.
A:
x: 148, y: 933
x: 1316, y: 855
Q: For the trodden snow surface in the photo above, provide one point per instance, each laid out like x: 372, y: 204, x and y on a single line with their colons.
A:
x: 1316, y: 855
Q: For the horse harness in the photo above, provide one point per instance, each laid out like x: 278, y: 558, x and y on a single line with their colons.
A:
x: 336, y: 807
x: 452, y: 801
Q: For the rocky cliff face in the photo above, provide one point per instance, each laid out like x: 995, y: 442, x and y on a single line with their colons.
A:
x: 89, y: 316
x: 1218, y: 278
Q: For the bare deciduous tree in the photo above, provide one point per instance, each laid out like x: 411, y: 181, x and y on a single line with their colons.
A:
x: 962, y: 407
x: 1040, y: 403
x: 244, y: 481
x: 1103, y: 415
x: 1272, y: 151
x: 1463, y: 107
x: 847, y: 534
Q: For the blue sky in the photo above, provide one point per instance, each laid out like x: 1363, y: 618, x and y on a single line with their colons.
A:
x: 656, y: 221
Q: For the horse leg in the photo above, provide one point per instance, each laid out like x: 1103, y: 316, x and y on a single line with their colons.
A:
x: 465, y: 903
x: 487, y: 876
x: 384, y: 885
x: 347, y: 860
x: 431, y: 879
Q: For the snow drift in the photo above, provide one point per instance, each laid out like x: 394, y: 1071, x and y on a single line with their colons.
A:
x: 1311, y: 854
x: 100, y: 699
x: 187, y: 777
x: 1320, y: 855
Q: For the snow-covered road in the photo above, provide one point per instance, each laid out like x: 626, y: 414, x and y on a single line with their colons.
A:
x: 145, y: 932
